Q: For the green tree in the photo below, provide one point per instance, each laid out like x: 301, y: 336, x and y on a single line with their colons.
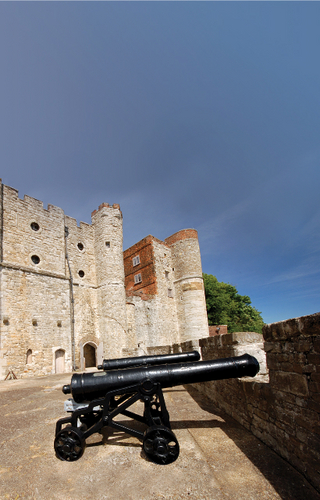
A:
x: 225, y: 306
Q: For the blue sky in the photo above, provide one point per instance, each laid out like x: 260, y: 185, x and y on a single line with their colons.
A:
x: 188, y: 114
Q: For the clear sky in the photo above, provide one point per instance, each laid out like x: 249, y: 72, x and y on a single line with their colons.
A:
x: 200, y: 115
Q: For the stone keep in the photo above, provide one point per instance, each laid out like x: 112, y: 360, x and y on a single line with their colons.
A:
x: 70, y: 296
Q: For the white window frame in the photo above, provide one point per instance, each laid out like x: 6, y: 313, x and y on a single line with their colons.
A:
x: 136, y: 260
x: 137, y: 279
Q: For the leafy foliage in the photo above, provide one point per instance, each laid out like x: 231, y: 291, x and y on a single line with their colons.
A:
x: 226, y: 307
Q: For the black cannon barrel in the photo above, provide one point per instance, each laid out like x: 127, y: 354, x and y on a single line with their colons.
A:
x: 157, y: 359
x: 90, y: 386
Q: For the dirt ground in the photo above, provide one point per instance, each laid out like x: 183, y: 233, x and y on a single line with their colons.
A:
x: 218, y: 458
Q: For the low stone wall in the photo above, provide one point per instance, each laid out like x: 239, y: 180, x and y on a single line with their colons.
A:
x: 282, y: 409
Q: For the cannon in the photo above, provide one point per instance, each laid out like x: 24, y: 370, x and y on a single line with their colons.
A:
x: 100, y: 396
x: 158, y: 359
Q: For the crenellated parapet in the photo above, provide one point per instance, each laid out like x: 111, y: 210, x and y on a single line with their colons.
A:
x: 32, y: 237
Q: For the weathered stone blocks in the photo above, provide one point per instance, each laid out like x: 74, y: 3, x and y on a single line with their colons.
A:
x: 289, y: 382
x: 285, y: 411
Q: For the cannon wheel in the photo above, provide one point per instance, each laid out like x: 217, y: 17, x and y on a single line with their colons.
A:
x: 69, y: 444
x: 160, y: 445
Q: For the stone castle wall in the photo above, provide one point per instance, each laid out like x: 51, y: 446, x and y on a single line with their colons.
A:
x: 282, y: 409
x: 36, y: 297
x: 35, y: 303
x: 42, y: 326
x: 68, y: 293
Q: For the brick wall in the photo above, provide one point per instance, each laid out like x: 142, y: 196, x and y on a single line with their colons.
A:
x: 217, y: 330
x: 143, y: 249
x: 284, y: 409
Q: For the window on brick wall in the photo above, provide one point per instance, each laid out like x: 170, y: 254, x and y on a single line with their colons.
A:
x: 136, y: 260
x: 170, y: 292
x: 137, y: 278
x: 166, y: 273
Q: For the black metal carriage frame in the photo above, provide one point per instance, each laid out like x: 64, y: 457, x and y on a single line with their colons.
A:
x: 159, y: 442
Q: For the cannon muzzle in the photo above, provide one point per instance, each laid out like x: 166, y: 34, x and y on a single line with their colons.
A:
x: 159, y: 359
x: 90, y: 386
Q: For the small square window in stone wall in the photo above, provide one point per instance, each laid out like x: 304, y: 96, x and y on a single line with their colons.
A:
x: 108, y: 244
x: 170, y: 292
x: 34, y: 322
x: 59, y: 323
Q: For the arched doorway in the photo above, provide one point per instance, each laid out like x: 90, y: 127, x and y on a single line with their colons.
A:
x: 59, y: 361
x: 29, y: 357
x: 89, y: 354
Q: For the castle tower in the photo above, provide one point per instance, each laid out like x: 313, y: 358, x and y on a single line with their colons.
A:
x: 111, y: 300
x: 189, y: 289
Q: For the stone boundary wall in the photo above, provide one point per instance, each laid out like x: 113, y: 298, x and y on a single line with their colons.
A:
x: 281, y: 405
x: 282, y: 410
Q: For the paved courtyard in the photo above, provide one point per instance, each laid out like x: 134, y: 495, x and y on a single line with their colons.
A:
x: 218, y: 458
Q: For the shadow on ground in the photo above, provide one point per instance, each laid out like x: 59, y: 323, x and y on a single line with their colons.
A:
x: 285, y: 479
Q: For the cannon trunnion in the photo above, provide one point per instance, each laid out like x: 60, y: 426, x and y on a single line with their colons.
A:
x: 99, y: 397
